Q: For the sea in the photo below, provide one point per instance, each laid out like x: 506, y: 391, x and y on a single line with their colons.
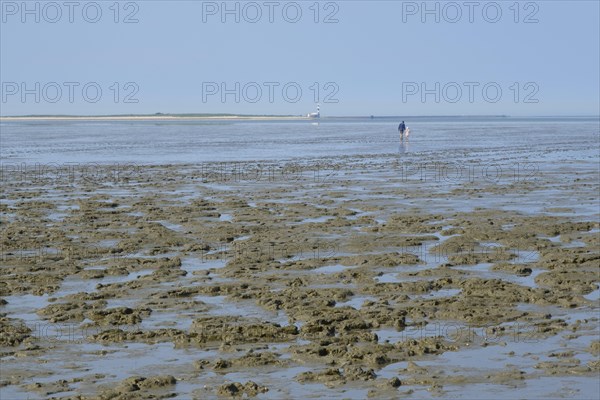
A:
x: 190, y: 141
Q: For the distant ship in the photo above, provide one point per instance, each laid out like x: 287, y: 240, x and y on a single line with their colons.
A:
x: 315, y: 114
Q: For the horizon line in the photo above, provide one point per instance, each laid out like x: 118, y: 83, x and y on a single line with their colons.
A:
x: 287, y: 116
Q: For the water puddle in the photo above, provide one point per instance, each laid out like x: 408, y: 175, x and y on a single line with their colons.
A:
x: 110, y: 363
x: 392, y: 277
x: 528, y: 281
x: 451, y: 331
x: 525, y: 256
x: 24, y: 306
x: 108, y: 243
x: 193, y: 264
x: 74, y: 285
x: 180, y: 319
x: 390, y: 335
x: 56, y: 216
x: 358, y: 214
x: 436, y: 294
x: 171, y: 226
x: 294, y: 389
x: 61, y: 212
x: 483, y: 270
x: 226, y: 217
x: 220, y: 306
x: 553, y: 239
x: 573, y: 244
x: 317, y: 220
x: 594, y: 296
x: 331, y: 269
x: 521, y: 349
x: 356, y: 302
x: 570, y: 315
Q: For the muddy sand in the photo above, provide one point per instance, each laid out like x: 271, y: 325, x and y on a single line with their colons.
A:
x: 358, y: 281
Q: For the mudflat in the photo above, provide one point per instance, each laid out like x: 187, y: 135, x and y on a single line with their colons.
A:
x: 350, y: 278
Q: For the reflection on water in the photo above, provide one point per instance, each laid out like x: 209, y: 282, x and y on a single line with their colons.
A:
x: 404, y: 146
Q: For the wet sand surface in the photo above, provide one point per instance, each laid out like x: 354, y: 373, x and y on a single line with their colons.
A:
x: 450, y: 275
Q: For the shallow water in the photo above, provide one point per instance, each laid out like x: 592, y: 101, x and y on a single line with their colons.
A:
x: 149, y: 142
x: 356, y: 302
x: 331, y: 269
x: 222, y: 306
x: 75, y: 285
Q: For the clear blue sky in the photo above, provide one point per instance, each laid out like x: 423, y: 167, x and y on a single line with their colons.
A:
x: 377, y: 56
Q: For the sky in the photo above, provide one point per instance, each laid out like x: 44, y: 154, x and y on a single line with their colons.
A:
x: 354, y: 58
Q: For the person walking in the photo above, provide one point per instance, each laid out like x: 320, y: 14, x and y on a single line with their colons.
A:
x: 401, y: 130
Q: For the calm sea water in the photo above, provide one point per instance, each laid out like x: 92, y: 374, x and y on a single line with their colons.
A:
x: 192, y: 141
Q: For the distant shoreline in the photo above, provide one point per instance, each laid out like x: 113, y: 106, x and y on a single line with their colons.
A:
x: 161, y: 117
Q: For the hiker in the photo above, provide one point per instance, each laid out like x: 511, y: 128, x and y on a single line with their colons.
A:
x: 401, y: 129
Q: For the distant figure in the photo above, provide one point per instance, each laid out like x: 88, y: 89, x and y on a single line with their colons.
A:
x: 401, y: 130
